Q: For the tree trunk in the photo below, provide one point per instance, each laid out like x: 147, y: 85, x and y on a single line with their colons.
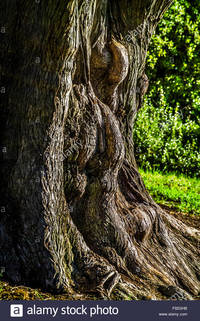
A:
x: 74, y: 209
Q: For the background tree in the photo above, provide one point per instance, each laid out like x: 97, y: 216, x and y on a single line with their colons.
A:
x: 167, y: 130
x: 77, y: 212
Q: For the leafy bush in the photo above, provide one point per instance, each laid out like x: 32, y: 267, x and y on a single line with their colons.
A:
x: 167, y: 129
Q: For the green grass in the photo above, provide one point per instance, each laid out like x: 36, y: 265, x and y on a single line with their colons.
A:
x: 174, y: 190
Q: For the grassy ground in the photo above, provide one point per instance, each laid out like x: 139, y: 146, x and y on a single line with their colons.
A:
x: 10, y: 291
x: 175, y: 191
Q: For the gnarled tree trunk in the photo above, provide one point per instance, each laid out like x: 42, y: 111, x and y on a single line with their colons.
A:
x: 76, y: 211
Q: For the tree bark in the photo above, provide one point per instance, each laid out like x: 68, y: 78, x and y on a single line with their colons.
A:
x: 75, y: 211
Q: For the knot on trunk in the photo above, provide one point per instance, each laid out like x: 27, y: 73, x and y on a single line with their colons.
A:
x: 109, y: 68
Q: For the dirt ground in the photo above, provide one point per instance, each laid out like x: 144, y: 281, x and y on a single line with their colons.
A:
x: 188, y: 219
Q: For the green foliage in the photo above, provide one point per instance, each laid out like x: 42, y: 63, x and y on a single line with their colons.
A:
x: 167, y: 130
x: 165, y: 142
x: 174, y: 190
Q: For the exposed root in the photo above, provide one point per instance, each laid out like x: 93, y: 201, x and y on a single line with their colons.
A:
x: 107, y: 284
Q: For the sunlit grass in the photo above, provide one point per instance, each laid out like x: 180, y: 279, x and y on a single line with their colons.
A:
x: 173, y: 190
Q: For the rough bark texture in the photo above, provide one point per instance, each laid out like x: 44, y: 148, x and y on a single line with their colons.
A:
x: 77, y: 214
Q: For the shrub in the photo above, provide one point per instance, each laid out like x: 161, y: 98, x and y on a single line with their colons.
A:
x: 167, y: 129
